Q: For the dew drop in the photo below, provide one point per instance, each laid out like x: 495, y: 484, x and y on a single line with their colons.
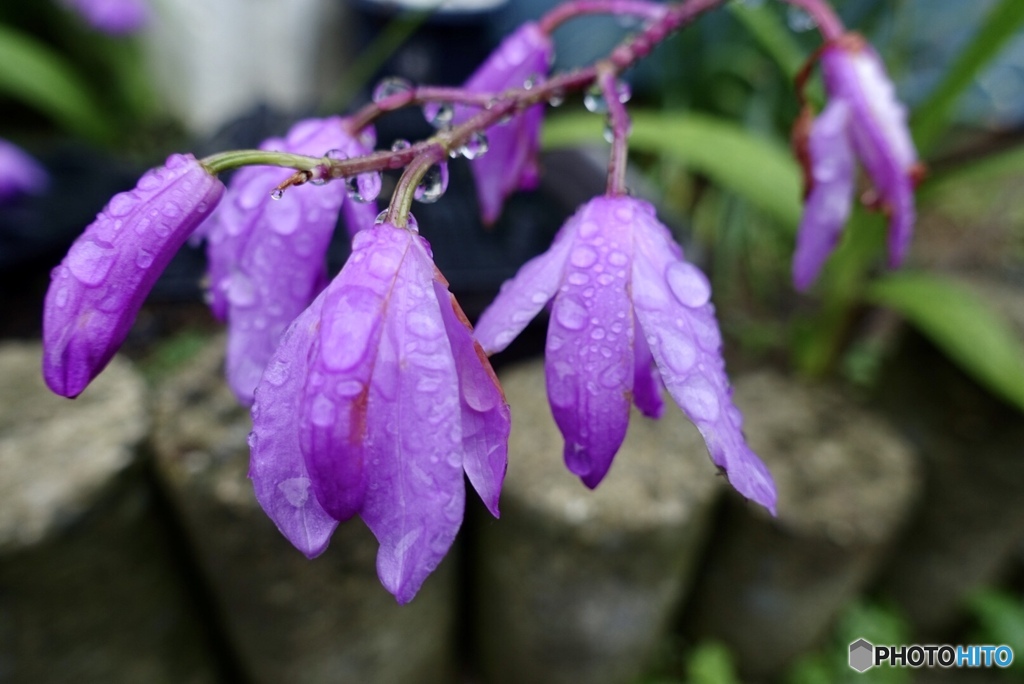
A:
x: 689, y: 285
x: 276, y: 372
x: 699, y: 400
x: 144, y: 259
x: 593, y: 100
x: 390, y: 87
x: 90, y: 262
x: 241, y: 291
x: 400, y: 144
x: 570, y: 313
x: 476, y: 146
x: 439, y: 114
x: 276, y: 194
x: 557, y: 98
x: 365, y: 187
x: 295, y: 490
x: 433, y: 184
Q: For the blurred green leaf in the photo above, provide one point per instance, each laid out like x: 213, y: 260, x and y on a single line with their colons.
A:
x: 932, y: 116
x: 772, y: 34
x: 753, y: 167
x: 961, y: 324
x: 34, y: 74
x: 1001, y: 618
x: 989, y: 167
x: 711, y: 663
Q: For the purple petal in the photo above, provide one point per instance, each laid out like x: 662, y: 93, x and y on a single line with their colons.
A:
x: 278, y: 471
x: 96, y: 292
x: 335, y: 404
x: 647, y: 385
x: 116, y: 17
x: 828, y: 206
x: 485, y: 414
x: 19, y: 173
x: 686, y: 344
x: 880, y: 134
x: 510, y: 163
x: 416, y: 495
x: 522, y: 297
x: 589, y: 359
x: 274, y: 264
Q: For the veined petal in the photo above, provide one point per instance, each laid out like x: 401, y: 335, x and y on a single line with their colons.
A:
x: 97, y: 290
x: 509, y: 164
x: 672, y: 306
x: 647, y: 385
x: 828, y: 206
x: 589, y: 358
x: 279, y: 262
x: 335, y: 402
x: 416, y: 495
x: 522, y: 297
x: 486, y: 419
x: 278, y: 471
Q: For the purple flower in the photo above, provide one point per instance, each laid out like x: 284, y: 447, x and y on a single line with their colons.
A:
x: 511, y: 161
x: 267, y: 259
x: 624, y: 297
x: 375, y: 404
x: 863, y: 120
x: 116, y: 17
x: 96, y: 292
x: 19, y: 173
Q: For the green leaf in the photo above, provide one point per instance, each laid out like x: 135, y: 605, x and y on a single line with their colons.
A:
x: 711, y: 663
x: 772, y: 34
x: 34, y: 74
x: 960, y: 323
x: 932, y: 116
x: 753, y: 167
x: 990, y: 167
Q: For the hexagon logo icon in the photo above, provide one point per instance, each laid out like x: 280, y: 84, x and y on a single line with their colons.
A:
x: 862, y: 655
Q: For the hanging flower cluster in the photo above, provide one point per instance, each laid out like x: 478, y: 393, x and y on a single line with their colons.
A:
x: 371, y: 394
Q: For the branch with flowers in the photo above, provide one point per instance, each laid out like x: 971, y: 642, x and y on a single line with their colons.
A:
x: 371, y: 393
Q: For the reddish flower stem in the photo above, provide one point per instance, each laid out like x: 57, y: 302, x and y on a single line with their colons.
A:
x: 577, y: 8
x: 618, y: 119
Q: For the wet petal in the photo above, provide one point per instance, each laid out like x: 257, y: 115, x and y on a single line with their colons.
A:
x: 19, y: 173
x: 485, y: 413
x: 828, y: 205
x: 510, y: 163
x: 647, y: 385
x: 522, y: 297
x: 686, y: 346
x: 416, y: 496
x: 335, y: 403
x: 97, y: 290
x: 278, y: 471
x: 589, y: 360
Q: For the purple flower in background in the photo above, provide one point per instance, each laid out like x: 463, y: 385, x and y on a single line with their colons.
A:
x: 97, y: 290
x: 628, y: 315
x: 511, y: 161
x: 863, y: 120
x: 375, y: 404
x: 19, y: 173
x: 268, y: 259
x: 116, y: 17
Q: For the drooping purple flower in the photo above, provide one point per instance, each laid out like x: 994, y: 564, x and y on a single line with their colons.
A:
x: 375, y: 404
x: 624, y: 297
x: 863, y: 120
x: 116, y: 17
x: 97, y: 290
x: 267, y: 259
x: 511, y: 161
x: 19, y: 173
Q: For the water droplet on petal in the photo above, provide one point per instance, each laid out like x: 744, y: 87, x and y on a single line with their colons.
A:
x: 583, y: 256
x: 391, y: 86
x: 144, y: 259
x: 295, y: 490
x: 90, y: 262
x: 433, y: 184
x: 276, y: 194
x: 570, y: 313
x: 699, y: 400
x: 689, y: 285
x: 365, y: 187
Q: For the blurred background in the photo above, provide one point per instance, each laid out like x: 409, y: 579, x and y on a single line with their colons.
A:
x: 888, y: 404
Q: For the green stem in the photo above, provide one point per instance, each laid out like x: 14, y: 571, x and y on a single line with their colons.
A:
x: 233, y: 159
